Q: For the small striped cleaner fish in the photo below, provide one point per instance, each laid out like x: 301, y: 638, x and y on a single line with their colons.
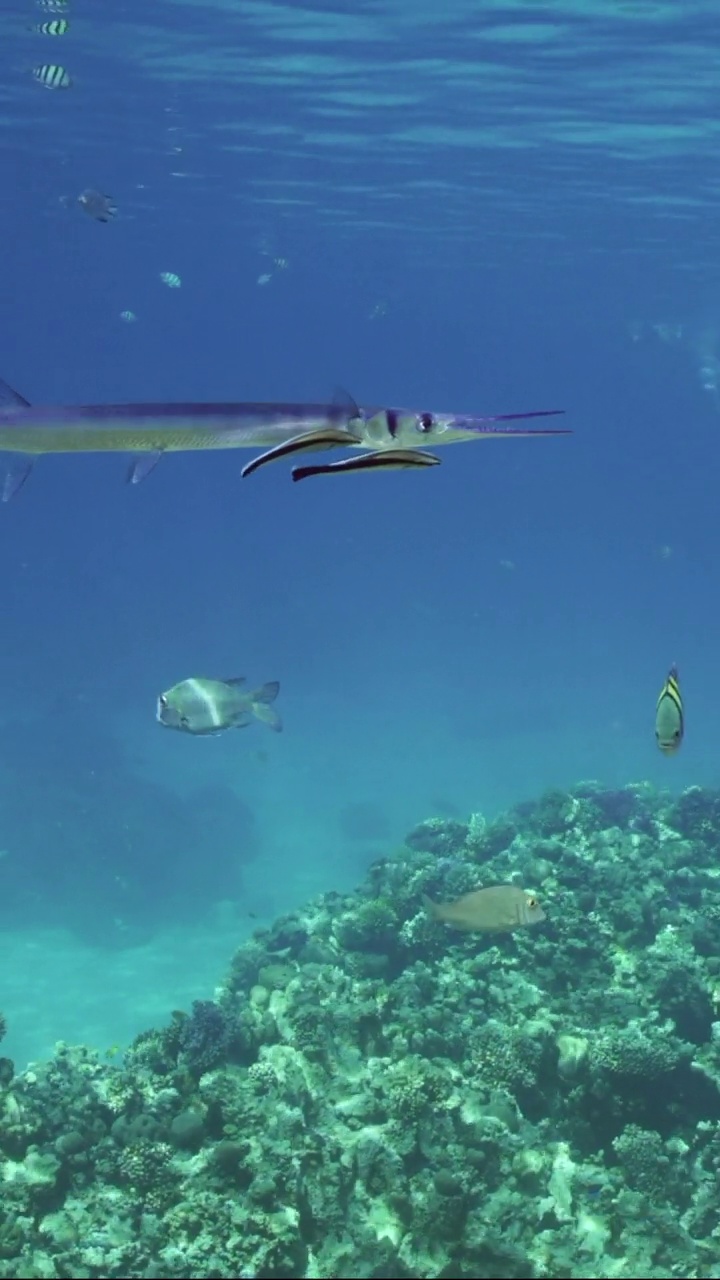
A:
x: 52, y: 76
x: 53, y: 6
x: 58, y: 27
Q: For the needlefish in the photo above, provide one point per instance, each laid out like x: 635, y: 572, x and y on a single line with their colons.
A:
x: 390, y: 438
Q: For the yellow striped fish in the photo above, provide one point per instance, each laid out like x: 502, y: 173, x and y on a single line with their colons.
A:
x: 669, y: 715
x: 52, y: 76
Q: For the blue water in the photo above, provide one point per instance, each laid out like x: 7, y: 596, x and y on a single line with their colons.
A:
x: 479, y: 209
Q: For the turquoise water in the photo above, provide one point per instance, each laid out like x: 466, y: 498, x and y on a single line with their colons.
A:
x: 477, y: 211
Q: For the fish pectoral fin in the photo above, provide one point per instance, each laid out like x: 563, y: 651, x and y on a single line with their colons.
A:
x: 141, y: 466
x: 241, y: 720
x: 308, y: 442
x: 234, y: 680
x: 12, y: 398
x: 19, y: 468
x: 378, y: 460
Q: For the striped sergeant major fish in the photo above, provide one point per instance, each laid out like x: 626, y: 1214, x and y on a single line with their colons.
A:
x: 389, y: 438
x: 52, y: 76
x: 58, y: 27
x: 669, y: 715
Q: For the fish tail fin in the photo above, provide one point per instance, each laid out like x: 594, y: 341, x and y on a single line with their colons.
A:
x: 12, y: 399
x: 262, y: 705
x: 268, y: 692
x: 302, y: 473
x: 433, y: 908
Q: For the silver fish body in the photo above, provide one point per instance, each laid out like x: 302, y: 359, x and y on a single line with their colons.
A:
x: 148, y: 430
x: 151, y: 428
x: 203, y: 707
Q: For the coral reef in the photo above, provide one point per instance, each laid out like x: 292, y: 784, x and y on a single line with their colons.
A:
x: 373, y: 1095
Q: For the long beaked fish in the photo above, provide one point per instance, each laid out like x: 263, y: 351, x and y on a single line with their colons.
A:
x: 147, y: 431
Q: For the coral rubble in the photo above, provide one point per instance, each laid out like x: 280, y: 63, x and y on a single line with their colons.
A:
x: 372, y: 1095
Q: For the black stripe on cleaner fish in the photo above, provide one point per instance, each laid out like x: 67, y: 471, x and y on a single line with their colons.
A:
x: 380, y: 460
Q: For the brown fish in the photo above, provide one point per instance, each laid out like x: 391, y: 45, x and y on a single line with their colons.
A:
x: 498, y: 909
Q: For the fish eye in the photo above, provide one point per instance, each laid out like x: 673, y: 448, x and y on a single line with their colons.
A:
x: 163, y: 701
x: 425, y: 422
x: 532, y: 903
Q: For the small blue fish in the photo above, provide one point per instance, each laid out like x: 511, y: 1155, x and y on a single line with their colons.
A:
x: 172, y: 280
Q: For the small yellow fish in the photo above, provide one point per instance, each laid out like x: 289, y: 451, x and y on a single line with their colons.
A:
x: 669, y: 715
x: 497, y: 909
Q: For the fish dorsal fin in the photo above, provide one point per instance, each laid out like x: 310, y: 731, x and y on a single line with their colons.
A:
x: 343, y: 407
x: 234, y: 680
x: 12, y: 399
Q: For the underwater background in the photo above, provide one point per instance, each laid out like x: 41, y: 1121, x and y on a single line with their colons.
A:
x: 475, y: 209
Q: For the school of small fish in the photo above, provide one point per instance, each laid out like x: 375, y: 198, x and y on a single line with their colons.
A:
x: 50, y: 74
